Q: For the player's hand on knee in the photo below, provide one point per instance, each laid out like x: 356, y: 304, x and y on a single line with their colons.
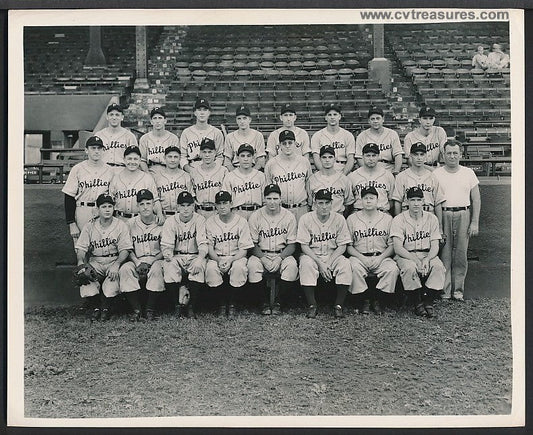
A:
x: 195, y: 267
x: 74, y: 230
x: 276, y: 264
x: 112, y: 272
x: 325, y: 272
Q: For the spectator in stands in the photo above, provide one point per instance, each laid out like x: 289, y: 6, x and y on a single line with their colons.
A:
x: 497, y: 59
x: 288, y: 118
x: 480, y: 59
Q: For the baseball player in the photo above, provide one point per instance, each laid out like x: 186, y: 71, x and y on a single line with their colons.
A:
x: 171, y: 181
x: 85, y: 182
x: 115, y: 138
x: 245, y: 183
x: 126, y: 183
x: 336, y: 182
x: 301, y: 137
x: 415, y: 234
x: 337, y: 137
x: 154, y: 143
x: 273, y: 231
x: 370, y: 174
x: 371, y: 251
x: 247, y: 135
x: 184, y: 245
x: 431, y: 136
x: 104, y: 243
x: 291, y: 172
x: 145, y: 260
x: 323, y: 237
x: 460, y: 216
x: 207, y: 179
x: 192, y: 137
x: 229, y: 239
x: 388, y: 141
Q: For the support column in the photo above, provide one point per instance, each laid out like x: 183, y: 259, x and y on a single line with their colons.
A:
x: 95, y: 56
x: 379, y: 68
x: 141, y: 81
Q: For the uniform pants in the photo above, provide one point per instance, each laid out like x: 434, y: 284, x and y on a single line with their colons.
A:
x: 238, y: 273
x: 454, y: 252
x: 109, y: 288
x: 129, y: 278
x: 298, y: 212
x: 410, y: 277
x: 206, y: 214
x: 174, y: 269
x: 387, y: 272
x: 309, y: 273
x: 288, y: 269
x: 244, y: 213
x: 84, y: 214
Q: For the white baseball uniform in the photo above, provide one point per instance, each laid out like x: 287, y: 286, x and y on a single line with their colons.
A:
x: 427, y: 182
x: 338, y: 184
x: 206, y: 184
x: 381, y: 179
x: 343, y: 142
x: 236, y: 138
x: 153, y: 149
x: 434, y: 143
x: 169, y: 185
x: 246, y: 190
x: 388, y: 142
x: 124, y: 191
x: 115, y: 143
x: 302, y: 142
x: 190, y: 141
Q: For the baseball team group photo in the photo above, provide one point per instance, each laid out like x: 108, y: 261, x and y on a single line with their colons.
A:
x: 268, y: 220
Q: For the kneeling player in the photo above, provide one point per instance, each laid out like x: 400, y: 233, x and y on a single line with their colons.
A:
x: 273, y: 231
x: 323, y: 236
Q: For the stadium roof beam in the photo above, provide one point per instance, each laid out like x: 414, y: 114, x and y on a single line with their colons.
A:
x: 95, y: 56
x: 380, y: 68
x: 141, y: 81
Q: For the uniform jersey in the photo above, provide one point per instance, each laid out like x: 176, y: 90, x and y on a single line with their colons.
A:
x: 183, y: 237
x: 86, y: 182
x: 427, y: 182
x: 146, y: 238
x: 388, y: 142
x: 370, y: 236
x: 342, y: 142
x: 245, y: 188
x: 272, y: 233
x: 190, y: 144
x: 228, y: 238
x: 291, y: 176
x: 434, y: 143
x: 323, y: 238
x: 124, y: 191
x: 104, y: 242
x: 415, y: 235
x: 235, y: 139
x: 170, y: 185
x: 153, y: 147
x: 302, y: 141
x: 207, y: 183
x: 338, y: 184
x: 381, y: 179
x: 115, y: 143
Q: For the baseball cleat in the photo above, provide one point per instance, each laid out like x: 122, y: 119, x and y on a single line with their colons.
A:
x: 231, y: 312
x: 312, y: 312
x: 429, y: 311
x: 366, y: 307
x: 376, y: 307
x: 276, y: 309
x: 150, y: 315
x: 420, y: 310
x: 135, y: 316
x: 190, y: 312
x: 95, y: 315
x: 266, y: 311
x: 337, y: 311
x: 106, y: 315
x: 222, y: 310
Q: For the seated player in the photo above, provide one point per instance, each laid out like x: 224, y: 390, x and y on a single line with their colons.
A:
x: 145, y: 264
x: 371, y: 251
x: 301, y: 137
x: 323, y: 237
x: 273, y: 231
x: 479, y: 60
x: 415, y: 234
x: 229, y: 239
x: 104, y: 244
x: 184, y: 245
x: 497, y: 59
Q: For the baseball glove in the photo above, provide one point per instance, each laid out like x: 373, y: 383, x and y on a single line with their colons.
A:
x: 142, y: 270
x: 184, y: 295
x: 84, y: 274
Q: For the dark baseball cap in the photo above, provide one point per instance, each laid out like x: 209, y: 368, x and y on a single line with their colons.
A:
x: 427, y: 111
x: 286, y: 135
x: 270, y: 188
x: 201, y: 102
x: 371, y: 148
x: 245, y: 147
x: 144, y: 194
x: 94, y: 141
x: 132, y: 149
x: 172, y: 148
x: 368, y: 190
x: 332, y: 106
x: 287, y: 108
x: 323, y: 194
x: 327, y: 149
x: 375, y: 111
x: 207, y: 144
x: 221, y: 196
x: 414, y: 192
x: 242, y: 110
x: 103, y: 198
x: 418, y: 147
x: 116, y: 107
x: 185, y: 198
x: 157, y: 111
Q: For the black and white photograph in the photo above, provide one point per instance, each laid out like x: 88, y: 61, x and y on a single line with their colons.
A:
x: 266, y: 218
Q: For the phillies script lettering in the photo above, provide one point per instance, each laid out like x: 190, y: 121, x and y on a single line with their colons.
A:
x: 147, y: 237
x: 158, y: 149
x: 123, y: 194
x: 323, y: 237
x: 249, y: 185
x: 370, y: 232
x: 273, y: 232
x: 97, y: 182
x: 208, y: 184
x: 114, y: 144
x: 103, y: 243
x: 225, y: 237
x: 423, y: 187
x: 291, y: 176
x: 175, y: 185
x: 372, y: 183
x: 431, y: 146
x: 418, y: 235
x: 186, y: 236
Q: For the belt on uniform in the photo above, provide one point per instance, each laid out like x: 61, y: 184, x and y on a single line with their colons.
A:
x: 108, y: 255
x: 272, y: 252
x: 384, y: 161
x: 248, y: 207
x: 206, y: 207
x: 185, y: 253
x: 126, y: 215
x: 341, y: 161
x: 302, y: 204
x: 86, y: 204
x: 424, y: 207
x: 196, y: 159
x: 116, y: 164
x: 379, y: 208
x: 150, y: 163
x: 169, y: 213
x: 432, y: 164
x: 455, y: 208
x: 420, y: 250
x: 371, y: 254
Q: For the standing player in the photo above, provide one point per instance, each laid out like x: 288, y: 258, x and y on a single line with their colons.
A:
x: 301, y: 137
x: 245, y: 183
x: 192, y: 137
x: 229, y: 239
x: 341, y: 140
x: 372, y: 175
x: 247, y: 135
x: 85, y: 182
x: 388, y: 141
x: 371, y: 251
x: 335, y: 182
x: 207, y: 179
x: 415, y: 234
x: 184, y: 245
x: 431, y: 136
x: 273, y: 232
x: 323, y: 237
x: 115, y: 138
x: 154, y: 143
x: 291, y: 172
x: 104, y: 244
x: 145, y: 259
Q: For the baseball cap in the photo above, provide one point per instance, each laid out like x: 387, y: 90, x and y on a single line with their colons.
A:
x: 94, y: 141
x: 323, y: 194
x: 116, y: 107
x: 242, y: 110
x: 286, y: 135
x: 426, y: 111
x: 418, y: 147
x: 371, y: 148
x: 201, y: 102
x: 207, y: 144
x: 172, y: 148
x: 103, y: 198
x: 221, y: 196
x: 157, y: 111
x: 269, y: 188
x: 245, y: 147
x: 375, y: 111
x: 132, y: 149
x: 368, y: 190
x: 144, y: 194
x: 327, y: 149
x: 414, y: 192
x: 287, y: 108
x: 332, y: 106
x: 185, y: 198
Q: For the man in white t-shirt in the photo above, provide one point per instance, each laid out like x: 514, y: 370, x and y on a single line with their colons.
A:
x: 460, y: 215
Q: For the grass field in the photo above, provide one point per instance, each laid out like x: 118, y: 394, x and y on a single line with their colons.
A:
x: 457, y: 363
